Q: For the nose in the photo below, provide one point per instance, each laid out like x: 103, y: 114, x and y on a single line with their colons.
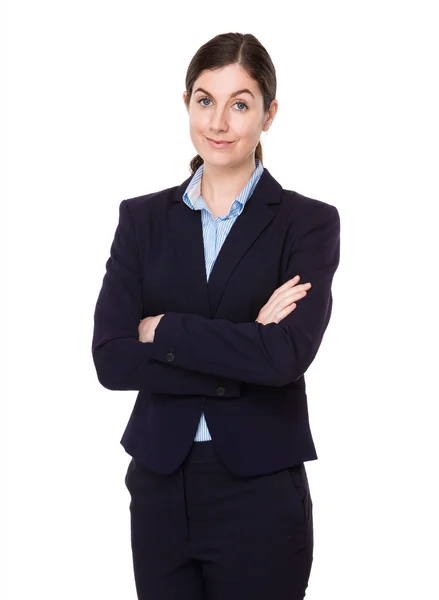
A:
x: 218, y: 121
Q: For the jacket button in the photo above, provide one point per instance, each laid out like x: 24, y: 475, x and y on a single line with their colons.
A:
x: 220, y: 391
x: 170, y: 357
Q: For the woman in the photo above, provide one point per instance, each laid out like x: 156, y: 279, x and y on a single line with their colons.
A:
x: 220, y: 504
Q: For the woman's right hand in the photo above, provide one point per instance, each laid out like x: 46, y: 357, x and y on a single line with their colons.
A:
x: 282, y: 302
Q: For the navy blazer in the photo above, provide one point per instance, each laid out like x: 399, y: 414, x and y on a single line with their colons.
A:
x: 209, y: 353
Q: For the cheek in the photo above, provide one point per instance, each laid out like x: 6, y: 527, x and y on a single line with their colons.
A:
x: 248, y: 132
x: 246, y: 127
x: 198, y: 123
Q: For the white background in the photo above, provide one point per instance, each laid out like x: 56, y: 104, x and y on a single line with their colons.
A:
x: 96, y: 115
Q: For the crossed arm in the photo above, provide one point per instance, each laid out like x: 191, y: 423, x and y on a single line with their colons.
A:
x: 205, y: 352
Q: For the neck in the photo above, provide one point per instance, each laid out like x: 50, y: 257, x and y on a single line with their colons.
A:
x: 221, y: 185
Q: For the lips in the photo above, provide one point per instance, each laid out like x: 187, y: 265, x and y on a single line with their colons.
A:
x: 219, y: 144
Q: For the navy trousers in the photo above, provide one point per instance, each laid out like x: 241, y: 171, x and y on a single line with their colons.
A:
x: 203, y: 533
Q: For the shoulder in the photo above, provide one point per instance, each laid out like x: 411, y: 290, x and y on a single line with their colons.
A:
x: 305, y: 215
x: 299, y: 203
x: 151, y: 201
x: 305, y: 211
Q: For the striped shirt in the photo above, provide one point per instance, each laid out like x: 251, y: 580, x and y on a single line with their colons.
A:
x: 215, y: 232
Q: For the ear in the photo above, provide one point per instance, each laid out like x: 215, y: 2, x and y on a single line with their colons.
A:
x: 270, y: 115
x: 184, y: 99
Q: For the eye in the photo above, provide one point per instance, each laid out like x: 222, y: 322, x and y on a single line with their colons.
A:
x: 243, y: 104
x: 201, y: 101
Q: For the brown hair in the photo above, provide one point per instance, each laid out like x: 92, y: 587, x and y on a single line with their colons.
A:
x: 228, y: 49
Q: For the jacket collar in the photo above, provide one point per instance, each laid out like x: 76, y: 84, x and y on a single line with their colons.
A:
x: 187, y: 237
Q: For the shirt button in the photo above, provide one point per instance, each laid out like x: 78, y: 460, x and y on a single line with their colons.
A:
x: 170, y: 357
x: 220, y: 391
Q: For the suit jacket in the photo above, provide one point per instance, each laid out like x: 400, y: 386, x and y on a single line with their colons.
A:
x: 209, y: 353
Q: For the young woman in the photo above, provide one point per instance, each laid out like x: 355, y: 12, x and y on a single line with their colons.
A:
x: 199, y: 311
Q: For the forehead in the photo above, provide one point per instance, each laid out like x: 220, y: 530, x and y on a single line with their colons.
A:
x: 226, y: 80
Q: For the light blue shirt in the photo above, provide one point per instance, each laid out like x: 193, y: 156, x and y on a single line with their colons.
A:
x: 215, y: 232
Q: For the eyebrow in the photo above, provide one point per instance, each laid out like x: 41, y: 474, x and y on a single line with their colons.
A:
x: 244, y: 91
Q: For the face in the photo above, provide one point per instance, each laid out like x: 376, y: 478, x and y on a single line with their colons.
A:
x: 227, y: 106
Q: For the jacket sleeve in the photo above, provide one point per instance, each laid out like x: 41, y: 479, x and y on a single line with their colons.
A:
x: 122, y: 362
x: 275, y: 354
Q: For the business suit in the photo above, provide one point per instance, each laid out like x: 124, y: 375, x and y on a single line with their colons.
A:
x: 209, y: 353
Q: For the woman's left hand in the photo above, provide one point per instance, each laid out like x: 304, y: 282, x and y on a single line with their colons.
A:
x: 147, y: 328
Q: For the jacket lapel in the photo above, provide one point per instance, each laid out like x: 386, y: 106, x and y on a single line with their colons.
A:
x: 187, y: 236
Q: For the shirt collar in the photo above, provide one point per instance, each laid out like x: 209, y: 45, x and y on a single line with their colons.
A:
x: 194, y: 200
